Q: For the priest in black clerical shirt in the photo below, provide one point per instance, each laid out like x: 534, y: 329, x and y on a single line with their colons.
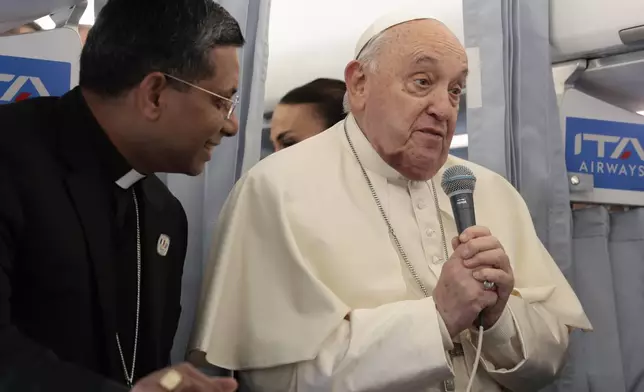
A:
x: 92, y: 243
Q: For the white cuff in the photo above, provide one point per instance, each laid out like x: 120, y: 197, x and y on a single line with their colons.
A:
x: 502, y: 349
x: 502, y: 331
x: 447, y: 340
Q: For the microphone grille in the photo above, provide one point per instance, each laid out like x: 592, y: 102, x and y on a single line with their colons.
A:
x: 458, y: 179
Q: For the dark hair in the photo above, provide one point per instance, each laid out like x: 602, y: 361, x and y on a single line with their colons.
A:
x: 325, y: 94
x: 132, y: 38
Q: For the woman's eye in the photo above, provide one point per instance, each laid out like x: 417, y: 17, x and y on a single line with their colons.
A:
x: 458, y: 90
x: 288, y: 143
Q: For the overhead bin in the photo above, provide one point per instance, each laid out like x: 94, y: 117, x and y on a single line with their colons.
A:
x: 595, y: 28
x: 14, y: 13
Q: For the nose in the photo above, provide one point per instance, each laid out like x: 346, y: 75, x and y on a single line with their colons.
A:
x: 440, y: 104
x: 231, y: 127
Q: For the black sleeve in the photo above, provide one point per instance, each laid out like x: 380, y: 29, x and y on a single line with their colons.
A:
x: 177, y: 275
x: 26, y: 366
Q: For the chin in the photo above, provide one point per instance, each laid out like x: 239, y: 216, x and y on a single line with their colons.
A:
x: 418, y: 175
x: 423, y: 170
x: 190, y: 169
x: 195, y: 171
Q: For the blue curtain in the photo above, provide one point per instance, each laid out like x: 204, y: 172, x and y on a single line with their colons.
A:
x: 514, y: 128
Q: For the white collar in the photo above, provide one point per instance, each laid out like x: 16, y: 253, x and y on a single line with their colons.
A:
x: 129, y: 179
x: 368, y: 155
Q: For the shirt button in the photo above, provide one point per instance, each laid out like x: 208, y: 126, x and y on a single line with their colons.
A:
x: 429, y: 232
x: 421, y: 205
x: 437, y: 260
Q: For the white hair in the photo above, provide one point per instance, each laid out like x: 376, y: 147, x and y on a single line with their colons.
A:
x: 368, y: 57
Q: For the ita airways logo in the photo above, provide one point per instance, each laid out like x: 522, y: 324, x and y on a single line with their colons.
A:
x: 611, y: 151
x: 24, y: 78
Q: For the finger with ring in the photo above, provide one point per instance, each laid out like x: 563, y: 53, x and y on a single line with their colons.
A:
x: 171, y: 380
x: 487, y: 285
x: 494, y: 275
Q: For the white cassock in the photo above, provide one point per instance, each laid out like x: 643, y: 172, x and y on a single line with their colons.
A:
x: 301, y: 244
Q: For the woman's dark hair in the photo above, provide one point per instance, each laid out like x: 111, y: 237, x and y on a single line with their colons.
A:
x: 132, y: 38
x: 325, y: 94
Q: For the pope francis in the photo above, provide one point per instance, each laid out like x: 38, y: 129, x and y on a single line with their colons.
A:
x: 337, y: 265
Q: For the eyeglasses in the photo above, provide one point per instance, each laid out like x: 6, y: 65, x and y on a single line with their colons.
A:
x: 232, y: 102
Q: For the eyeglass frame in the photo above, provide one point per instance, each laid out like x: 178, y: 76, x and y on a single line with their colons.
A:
x: 233, y: 102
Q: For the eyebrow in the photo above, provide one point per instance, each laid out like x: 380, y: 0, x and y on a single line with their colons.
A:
x: 422, y: 59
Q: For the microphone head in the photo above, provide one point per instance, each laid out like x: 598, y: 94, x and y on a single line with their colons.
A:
x: 458, y: 179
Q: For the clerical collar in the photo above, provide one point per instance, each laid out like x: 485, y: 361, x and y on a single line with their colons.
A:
x: 114, y: 165
x: 129, y: 179
x: 368, y: 155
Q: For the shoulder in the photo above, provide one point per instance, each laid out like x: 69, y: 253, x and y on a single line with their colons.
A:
x: 11, y: 212
x: 290, y: 168
x: 25, y: 123
x: 28, y: 112
x: 159, y: 192
x: 482, y: 174
x: 490, y: 184
x: 28, y: 147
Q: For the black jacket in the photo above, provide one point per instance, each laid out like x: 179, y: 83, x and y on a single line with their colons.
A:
x: 57, y: 276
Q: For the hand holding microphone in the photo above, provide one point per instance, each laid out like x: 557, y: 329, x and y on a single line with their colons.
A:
x: 459, y: 297
x: 464, y: 288
x: 486, y: 261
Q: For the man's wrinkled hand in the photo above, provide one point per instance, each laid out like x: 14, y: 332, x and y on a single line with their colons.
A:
x: 459, y: 298
x: 184, y: 378
x: 485, y: 257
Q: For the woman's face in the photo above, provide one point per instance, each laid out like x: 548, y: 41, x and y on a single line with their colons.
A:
x: 293, y: 123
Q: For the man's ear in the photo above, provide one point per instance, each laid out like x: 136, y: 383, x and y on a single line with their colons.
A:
x: 149, y: 95
x: 355, y: 79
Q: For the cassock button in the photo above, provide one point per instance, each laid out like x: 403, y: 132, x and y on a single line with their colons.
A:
x: 429, y: 232
x: 421, y: 205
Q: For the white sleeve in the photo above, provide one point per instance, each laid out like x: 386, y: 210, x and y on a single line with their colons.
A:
x: 528, y: 349
x: 502, y: 348
x: 396, y: 347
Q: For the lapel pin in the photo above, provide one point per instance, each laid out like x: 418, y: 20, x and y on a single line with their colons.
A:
x: 163, y: 244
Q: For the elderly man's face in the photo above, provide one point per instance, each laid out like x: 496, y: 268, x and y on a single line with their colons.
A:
x: 408, y: 106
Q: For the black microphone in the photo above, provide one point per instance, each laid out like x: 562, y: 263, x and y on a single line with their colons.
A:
x: 458, y: 183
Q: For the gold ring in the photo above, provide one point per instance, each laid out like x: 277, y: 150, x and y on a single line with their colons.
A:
x: 171, y: 380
